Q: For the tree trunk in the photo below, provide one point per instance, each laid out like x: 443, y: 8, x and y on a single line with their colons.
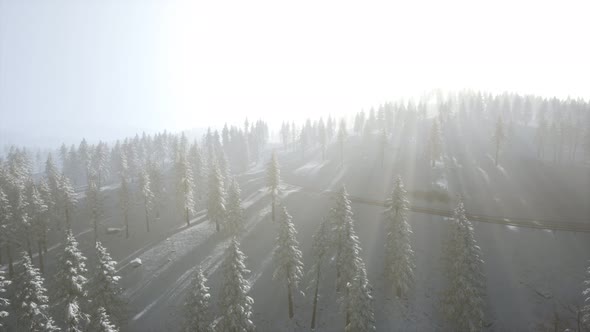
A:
x: 1, y: 254
x: 273, y: 206
x: 315, y: 299
x: 126, y: 226
x: 497, y: 151
x: 186, y: 216
x: 10, y: 262
x: 40, y: 250
x: 29, y: 248
x: 95, y: 222
x: 290, y: 298
x: 68, y: 225
x: 147, y: 218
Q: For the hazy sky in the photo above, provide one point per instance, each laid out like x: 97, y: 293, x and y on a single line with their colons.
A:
x: 109, y: 68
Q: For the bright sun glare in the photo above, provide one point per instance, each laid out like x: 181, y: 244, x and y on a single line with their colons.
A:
x: 269, y: 58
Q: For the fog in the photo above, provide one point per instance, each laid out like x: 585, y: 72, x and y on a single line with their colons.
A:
x: 111, y: 68
x: 309, y: 166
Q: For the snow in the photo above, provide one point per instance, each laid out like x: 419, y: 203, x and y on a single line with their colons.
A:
x: 136, y: 262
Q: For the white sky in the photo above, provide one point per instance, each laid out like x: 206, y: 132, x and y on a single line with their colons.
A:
x: 112, y: 67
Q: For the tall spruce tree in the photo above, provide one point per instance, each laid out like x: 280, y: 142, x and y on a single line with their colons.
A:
x: 499, y: 137
x: 125, y: 202
x: 463, y: 300
x: 216, y: 209
x: 287, y: 257
x: 147, y: 196
x: 94, y: 203
x: 71, y: 284
x: 586, y: 296
x: 196, y: 307
x: 105, y: 289
x: 3, y: 301
x: 359, y: 301
x: 399, y: 261
x: 38, y: 214
x: 32, y: 303
x: 340, y: 217
x: 320, y: 248
x: 273, y: 181
x: 184, y: 187
x: 235, y: 304
x: 235, y: 212
x: 101, y: 322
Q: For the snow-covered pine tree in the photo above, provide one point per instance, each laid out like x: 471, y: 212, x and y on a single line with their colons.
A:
x: 320, y: 248
x: 499, y: 137
x: 3, y: 301
x: 273, y: 181
x: 32, y: 303
x: 93, y: 203
x: 235, y: 304
x: 399, y: 261
x: 105, y: 289
x: 184, y: 186
x: 340, y: 217
x: 125, y: 202
x: 147, y: 196
x: 157, y: 186
x: 287, y: 257
x: 342, y: 134
x: 351, y: 265
x: 197, y: 165
x: 101, y: 322
x: 67, y: 199
x: 100, y: 163
x: 197, y: 316
x: 463, y: 300
x: 37, y: 210
x: 216, y: 209
x: 71, y: 284
x: 359, y: 302
x: 235, y: 212
x: 49, y: 200
x: 6, y: 229
x: 434, y: 143
x: 586, y: 296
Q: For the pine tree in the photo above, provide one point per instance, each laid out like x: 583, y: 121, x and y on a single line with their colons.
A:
x: 463, y: 301
x: 67, y: 199
x: 32, y: 303
x: 340, y: 217
x: 288, y: 257
x: 100, y: 161
x: 147, y: 196
x: 235, y: 212
x: 399, y: 262
x: 586, y: 295
x: 273, y: 181
x: 49, y: 200
x: 71, y: 283
x: 6, y: 228
x: 38, y: 214
x: 499, y: 137
x: 124, y: 203
x: 216, y: 209
x: 184, y: 187
x: 102, y: 323
x: 106, y: 291
x: 342, y: 134
x: 196, y: 306
x: 434, y: 143
x: 157, y: 186
x: 236, y: 305
x: 320, y: 248
x: 3, y: 302
x: 359, y: 303
x: 94, y: 203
